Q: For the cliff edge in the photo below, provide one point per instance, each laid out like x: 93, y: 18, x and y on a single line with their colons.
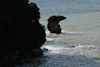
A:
x: 21, y: 34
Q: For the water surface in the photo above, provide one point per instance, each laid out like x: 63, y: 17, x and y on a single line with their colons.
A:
x: 79, y: 43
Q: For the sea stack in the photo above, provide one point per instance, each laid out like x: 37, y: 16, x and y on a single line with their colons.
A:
x: 53, y: 23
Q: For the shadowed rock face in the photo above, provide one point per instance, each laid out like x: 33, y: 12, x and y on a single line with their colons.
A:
x: 21, y: 34
x: 53, y: 24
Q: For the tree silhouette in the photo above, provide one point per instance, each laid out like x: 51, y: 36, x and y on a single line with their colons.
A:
x: 19, y: 26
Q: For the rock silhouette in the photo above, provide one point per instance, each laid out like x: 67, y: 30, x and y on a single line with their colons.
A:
x: 21, y: 34
x: 53, y: 24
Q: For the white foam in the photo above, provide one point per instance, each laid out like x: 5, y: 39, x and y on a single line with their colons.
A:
x: 77, y: 49
x: 70, y: 56
x: 49, y: 39
x: 71, y: 33
x: 65, y: 33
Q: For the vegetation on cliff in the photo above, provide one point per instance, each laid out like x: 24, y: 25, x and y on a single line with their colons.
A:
x: 21, y: 34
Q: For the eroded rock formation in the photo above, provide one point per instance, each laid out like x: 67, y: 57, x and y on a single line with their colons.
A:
x: 53, y: 24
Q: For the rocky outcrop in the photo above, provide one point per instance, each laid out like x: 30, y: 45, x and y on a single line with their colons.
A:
x: 21, y: 34
x: 53, y: 24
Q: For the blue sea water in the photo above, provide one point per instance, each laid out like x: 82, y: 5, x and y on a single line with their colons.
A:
x: 82, y: 16
x: 67, y: 6
x: 79, y: 43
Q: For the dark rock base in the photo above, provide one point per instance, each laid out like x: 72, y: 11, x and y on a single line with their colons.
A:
x: 12, y: 59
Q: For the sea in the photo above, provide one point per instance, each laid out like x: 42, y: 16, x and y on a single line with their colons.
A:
x: 79, y: 43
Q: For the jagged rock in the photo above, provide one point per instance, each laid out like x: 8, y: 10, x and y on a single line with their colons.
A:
x: 45, y: 49
x: 53, y: 24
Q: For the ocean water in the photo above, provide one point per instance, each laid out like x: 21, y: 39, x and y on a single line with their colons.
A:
x: 79, y: 43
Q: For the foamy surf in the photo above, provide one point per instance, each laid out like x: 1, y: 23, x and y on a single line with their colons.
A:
x: 76, y: 49
x: 71, y: 33
x: 65, y: 33
x: 71, y: 56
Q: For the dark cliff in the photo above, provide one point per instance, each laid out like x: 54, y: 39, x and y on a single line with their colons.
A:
x: 21, y: 34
